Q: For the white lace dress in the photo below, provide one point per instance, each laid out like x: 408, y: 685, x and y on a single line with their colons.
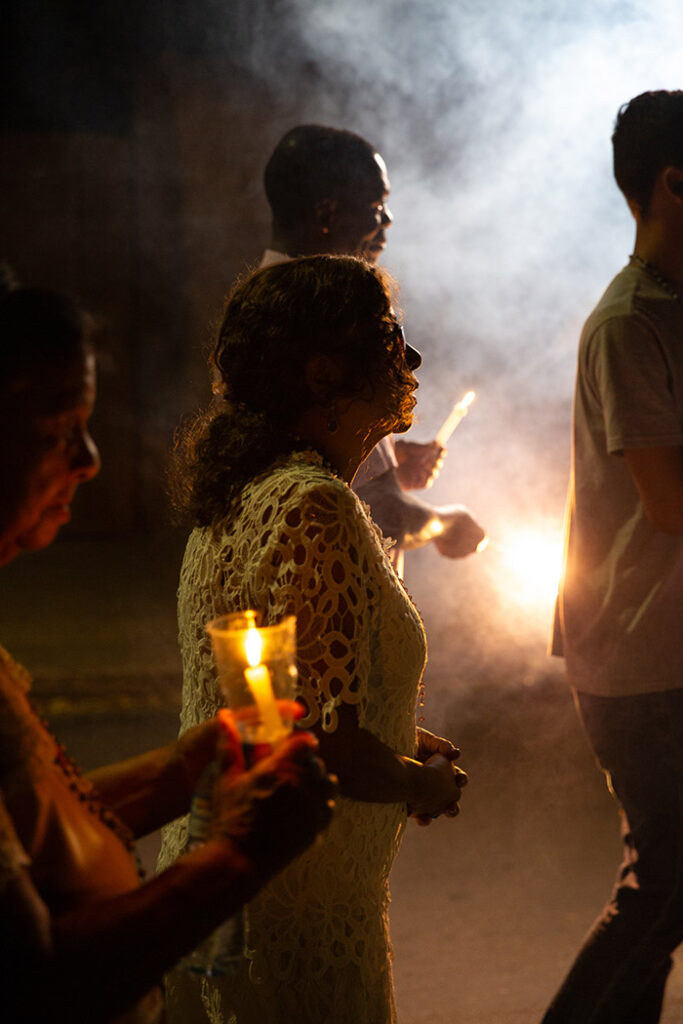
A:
x: 318, y: 948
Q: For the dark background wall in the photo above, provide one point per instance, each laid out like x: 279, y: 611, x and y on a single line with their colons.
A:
x: 124, y: 144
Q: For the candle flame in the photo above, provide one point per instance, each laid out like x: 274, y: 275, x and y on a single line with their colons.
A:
x: 468, y: 399
x: 253, y: 646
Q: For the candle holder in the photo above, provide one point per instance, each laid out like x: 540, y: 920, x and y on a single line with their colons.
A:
x: 257, y: 674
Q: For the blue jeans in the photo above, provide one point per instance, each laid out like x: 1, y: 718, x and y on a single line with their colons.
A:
x: 620, y: 972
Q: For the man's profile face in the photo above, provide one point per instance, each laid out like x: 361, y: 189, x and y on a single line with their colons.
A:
x: 361, y: 217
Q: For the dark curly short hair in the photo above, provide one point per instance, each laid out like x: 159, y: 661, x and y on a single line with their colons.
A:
x: 275, y: 320
x: 648, y: 136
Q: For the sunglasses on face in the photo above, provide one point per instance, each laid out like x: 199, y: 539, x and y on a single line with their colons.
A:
x: 397, y: 341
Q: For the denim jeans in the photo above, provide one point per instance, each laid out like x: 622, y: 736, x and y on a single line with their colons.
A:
x: 620, y: 972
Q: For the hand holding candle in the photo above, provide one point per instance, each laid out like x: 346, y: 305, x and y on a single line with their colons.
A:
x: 457, y: 413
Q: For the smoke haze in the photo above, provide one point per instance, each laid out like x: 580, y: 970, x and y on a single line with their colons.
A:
x: 494, y: 119
x: 495, y: 122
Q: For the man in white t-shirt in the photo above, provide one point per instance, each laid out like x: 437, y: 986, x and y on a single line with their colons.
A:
x: 328, y: 191
x: 620, y: 610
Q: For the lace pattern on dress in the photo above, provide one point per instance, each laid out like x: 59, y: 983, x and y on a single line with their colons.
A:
x: 302, y: 543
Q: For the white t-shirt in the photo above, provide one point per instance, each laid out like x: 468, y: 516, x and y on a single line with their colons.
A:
x: 620, y: 608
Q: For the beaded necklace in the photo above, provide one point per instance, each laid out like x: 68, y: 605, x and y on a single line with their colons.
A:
x: 654, y: 273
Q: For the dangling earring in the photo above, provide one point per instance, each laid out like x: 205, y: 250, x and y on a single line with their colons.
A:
x: 332, y: 424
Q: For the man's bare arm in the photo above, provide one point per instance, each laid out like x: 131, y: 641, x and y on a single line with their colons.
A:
x: 658, y: 475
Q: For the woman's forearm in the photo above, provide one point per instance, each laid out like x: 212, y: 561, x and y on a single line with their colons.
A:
x: 370, y: 770
x: 367, y: 768
x: 125, y: 945
x: 104, y: 956
x: 149, y: 790
x: 145, y: 792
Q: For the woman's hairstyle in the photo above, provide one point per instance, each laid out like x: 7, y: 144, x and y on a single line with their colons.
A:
x: 40, y: 331
x: 275, y: 321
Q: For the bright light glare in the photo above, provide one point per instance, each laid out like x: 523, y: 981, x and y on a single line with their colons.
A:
x: 253, y: 646
x: 535, y: 558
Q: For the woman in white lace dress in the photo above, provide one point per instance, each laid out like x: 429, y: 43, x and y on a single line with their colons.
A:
x: 311, y: 370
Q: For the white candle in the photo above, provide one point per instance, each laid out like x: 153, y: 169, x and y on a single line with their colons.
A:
x: 258, y: 680
x: 457, y: 413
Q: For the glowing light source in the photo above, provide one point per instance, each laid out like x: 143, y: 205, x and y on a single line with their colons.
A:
x: 457, y: 413
x: 533, y: 557
x: 259, y: 682
x: 253, y: 646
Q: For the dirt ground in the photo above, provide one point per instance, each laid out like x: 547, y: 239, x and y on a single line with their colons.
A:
x: 487, y: 909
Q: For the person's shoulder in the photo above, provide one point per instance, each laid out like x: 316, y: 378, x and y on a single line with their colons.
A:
x: 300, y: 480
x: 626, y: 311
x: 617, y: 300
x: 632, y: 295
x: 13, y: 676
x: 307, y: 478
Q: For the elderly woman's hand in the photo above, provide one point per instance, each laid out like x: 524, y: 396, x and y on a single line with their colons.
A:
x: 274, y: 811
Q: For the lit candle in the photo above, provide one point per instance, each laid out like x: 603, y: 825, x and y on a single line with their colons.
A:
x: 458, y: 412
x: 258, y: 679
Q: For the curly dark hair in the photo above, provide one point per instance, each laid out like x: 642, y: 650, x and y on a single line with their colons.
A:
x: 648, y: 136
x: 275, y: 321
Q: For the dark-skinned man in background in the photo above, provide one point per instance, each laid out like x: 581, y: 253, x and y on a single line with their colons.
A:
x: 328, y: 190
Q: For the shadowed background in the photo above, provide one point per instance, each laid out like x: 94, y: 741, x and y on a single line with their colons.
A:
x: 133, y: 141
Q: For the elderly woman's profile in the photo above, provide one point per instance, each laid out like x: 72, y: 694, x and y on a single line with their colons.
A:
x: 81, y: 937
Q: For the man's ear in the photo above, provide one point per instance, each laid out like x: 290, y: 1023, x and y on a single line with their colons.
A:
x: 325, y: 213
x: 673, y: 181
x: 323, y: 376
